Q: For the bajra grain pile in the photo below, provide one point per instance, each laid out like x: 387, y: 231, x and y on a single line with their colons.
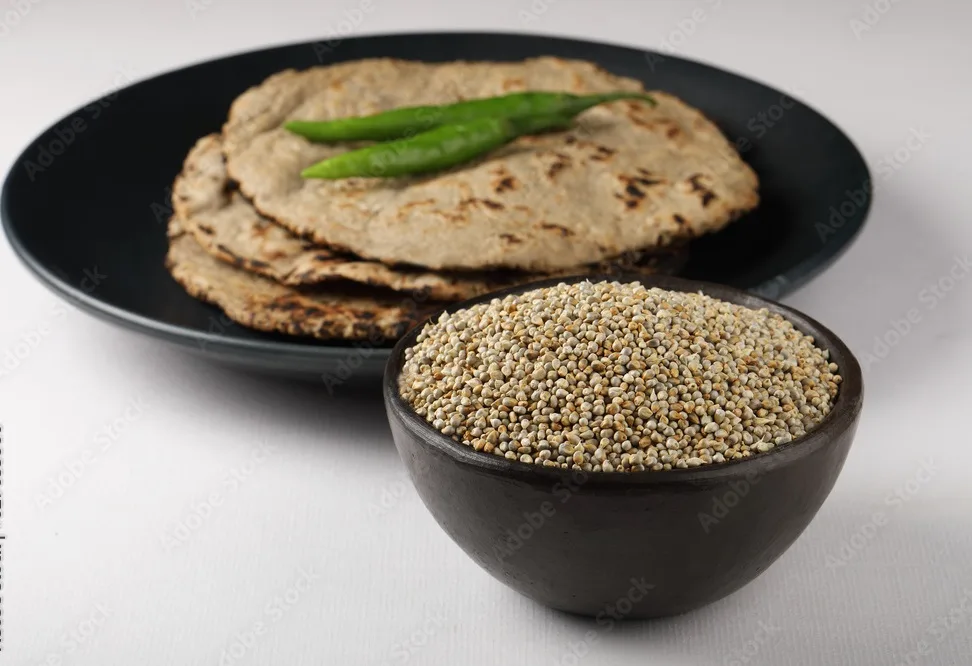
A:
x: 612, y: 377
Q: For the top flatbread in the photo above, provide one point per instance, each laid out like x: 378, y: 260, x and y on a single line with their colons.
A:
x: 228, y: 227
x: 629, y: 177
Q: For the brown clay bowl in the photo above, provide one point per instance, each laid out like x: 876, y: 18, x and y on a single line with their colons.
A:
x: 629, y: 545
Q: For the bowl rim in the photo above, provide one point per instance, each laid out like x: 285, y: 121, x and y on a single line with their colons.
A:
x: 843, y: 415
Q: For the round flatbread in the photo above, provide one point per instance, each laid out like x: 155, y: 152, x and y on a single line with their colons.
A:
x: 628, y: 177
x: 228, y: 227
x: 340, y: 311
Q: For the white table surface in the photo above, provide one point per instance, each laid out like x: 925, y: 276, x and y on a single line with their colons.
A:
x: 319, y: 551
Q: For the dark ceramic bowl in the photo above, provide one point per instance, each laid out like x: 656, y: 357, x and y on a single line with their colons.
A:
x: 629, y: 545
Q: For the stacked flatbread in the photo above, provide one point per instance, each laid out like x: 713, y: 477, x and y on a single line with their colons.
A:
x: 368, y: 258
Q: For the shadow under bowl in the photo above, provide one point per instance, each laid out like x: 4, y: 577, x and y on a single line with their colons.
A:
x: 637, y: 544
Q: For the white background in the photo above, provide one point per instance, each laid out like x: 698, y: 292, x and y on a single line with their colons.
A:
x: 104, y: 575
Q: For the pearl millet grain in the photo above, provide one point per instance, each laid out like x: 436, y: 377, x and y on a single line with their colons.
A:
x: 615, y: 377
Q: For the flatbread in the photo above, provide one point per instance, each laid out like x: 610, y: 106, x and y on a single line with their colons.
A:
x: 228, y: 227
x: 629, y: 177
x: 340, y: 311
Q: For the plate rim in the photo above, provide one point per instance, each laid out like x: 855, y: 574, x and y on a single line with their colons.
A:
x: 793, y: 278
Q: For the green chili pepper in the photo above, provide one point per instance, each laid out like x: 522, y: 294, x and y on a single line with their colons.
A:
x: 408, y: 121
x: 437, y: 149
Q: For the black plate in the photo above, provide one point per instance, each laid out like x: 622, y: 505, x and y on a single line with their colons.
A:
x: 85, y: 205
